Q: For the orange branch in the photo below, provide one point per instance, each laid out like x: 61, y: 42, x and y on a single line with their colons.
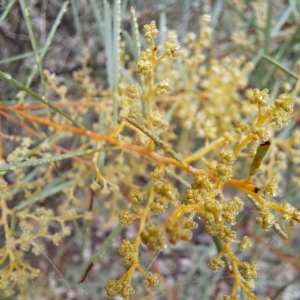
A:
x: 160, y: 159
x: 10, y: 118
x: 33, y: 132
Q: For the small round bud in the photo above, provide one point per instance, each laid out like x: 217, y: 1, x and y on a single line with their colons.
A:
x: 285, y: 102
x: 216, y: 263
x: 126, y: 218
x: 150, y: 30
x: 245, y: 243
x: 152, y: 280
x: 260, y: 97
x: 259, y: 134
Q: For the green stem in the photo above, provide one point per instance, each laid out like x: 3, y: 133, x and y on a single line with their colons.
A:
x: 279, y: 66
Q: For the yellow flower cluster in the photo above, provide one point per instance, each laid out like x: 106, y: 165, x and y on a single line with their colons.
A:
x: 176, y: 110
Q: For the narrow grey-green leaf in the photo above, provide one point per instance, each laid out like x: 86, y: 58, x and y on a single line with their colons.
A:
x: 97, y: 17
x: 33, y: 42
x: 74, y: 6
x: 46, y: 160
x: 7, y: 10
x: 116, y: 56
x: 108, y: 44
x: 16, y: 57
x: 49, y: 39
x: 129, y: 42
x: 267, y: 31
x: 162, y: 26
x: 128, y: 76
x: 135, y: 34
x: 185, y: 17
x: 279, y: 66
x: 116, y: 42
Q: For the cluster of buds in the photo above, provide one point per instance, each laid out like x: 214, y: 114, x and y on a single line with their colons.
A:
x: 227, y: 156
x: 214, y: 213
x: 171, y: 49
x: 249, y: 271
x: 259, y: 134
x: 4, y: 190
x: 241, y: 127
x: 45, y: 217
x: 284, y: 105
x: 295, y: 139
x: 136, y: 197
x: 280, y: 118
x: 160, y: 205
x: 144, y: 67
x: 206, y: 31
x: 167, y: 190
x: 285, y: 102
x: 151, y: 280
x: 261, y: 98
x: 192, y: 197
x: 158, y: 120
x: 151, y: 31
x: 123, y: 289
x: 127, y: 250
x: 201, y: 188
x: 20, y: 151
x: 271, y: 188
x: 126, y: 218
x: 226, y: 234
x: 204, y: 186
x: 211, y: 212
x: 152, y: 237
x: 216, y: 263
x: 167, y: 193
x: 267, y: 220
x: 180, y: 230
x: 231, y: 208
x: 223, y: 172
x: 291, y: 214
x: 134, y: 92
x: 157, y: 176
x: 245, y: 243
x: 17, y: 272
x: 163, y: 87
